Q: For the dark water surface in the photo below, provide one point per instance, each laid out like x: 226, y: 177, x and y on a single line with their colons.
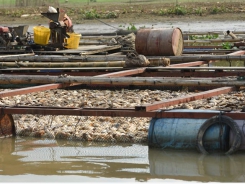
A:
x: 40, y: 160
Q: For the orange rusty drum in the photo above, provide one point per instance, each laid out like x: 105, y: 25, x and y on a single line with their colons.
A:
x: 7, y: 127
x: 159, y: 42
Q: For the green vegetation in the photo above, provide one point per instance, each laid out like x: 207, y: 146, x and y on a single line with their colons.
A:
x: 110, y: 9
x: 82, y: 2
x: 215, y: 10
x: 13, y: 13
x: 92, y: 14
x: 131, y: 27
x: 199, y: 11
x: 111, y: 15
x: 179, y: 10
x: 203, y: 37
x: 227, y: 45
x: 138, y: 1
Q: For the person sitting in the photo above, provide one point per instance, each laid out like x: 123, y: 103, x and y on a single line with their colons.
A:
x: 68, y: 23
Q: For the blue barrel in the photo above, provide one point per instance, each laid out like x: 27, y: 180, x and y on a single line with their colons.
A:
x: 181, y: 133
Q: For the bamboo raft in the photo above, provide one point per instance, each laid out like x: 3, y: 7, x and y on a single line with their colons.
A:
x: 106, y: 66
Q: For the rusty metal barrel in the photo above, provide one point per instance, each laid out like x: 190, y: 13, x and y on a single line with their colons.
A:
x: 159, y: 42
x: 7, y: 127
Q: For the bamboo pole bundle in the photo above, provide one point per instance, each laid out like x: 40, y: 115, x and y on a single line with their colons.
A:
x: 137, y: 81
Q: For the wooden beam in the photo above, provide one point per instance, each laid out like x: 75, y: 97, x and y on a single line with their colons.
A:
x: 185, y: 99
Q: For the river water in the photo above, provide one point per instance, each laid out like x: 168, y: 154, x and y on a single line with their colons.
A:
x: 24, y: 159
x: 184, y: 24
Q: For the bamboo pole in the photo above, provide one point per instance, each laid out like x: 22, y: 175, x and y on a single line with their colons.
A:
x: 65, y: 64
x: 210, y: 32
x: 229, y: 57
x: 117, y: 81
x: 87, y: 58
x: 18, y: 55
x: 158, y: 62
x: 110, y: 58
x: 204, y: 47
x: 101, y: 37
x: 36, y: 58
x: 93, y: 43
x: 214, y: 40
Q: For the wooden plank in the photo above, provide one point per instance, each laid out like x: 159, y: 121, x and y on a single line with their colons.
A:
x: 185, y: 99
x: 116, y: 112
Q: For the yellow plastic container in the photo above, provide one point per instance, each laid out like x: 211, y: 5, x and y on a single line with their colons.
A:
x: 73, y: 41
x: 41, y: 35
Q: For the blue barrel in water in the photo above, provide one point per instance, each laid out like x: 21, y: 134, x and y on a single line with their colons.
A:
x: 181, y: 133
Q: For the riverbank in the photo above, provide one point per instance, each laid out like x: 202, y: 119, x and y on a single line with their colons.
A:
x: 131, y: 13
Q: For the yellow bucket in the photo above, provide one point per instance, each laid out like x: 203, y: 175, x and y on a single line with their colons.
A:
x: 73, y: 41
x: 41, y: 35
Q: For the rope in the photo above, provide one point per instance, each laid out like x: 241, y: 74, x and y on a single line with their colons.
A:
x: 107, y: 24
x: 134, y: 59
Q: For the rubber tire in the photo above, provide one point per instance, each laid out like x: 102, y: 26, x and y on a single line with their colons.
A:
x: 226, y: 120
x: 2, y: 41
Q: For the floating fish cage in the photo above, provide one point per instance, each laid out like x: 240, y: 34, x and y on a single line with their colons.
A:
x: 158, y: 63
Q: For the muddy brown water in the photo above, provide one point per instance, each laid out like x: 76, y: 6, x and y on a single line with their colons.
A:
x: 24, y: 159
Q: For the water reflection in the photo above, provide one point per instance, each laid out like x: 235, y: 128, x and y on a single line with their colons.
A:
x: 192, y: 166
x: 28, y: 156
